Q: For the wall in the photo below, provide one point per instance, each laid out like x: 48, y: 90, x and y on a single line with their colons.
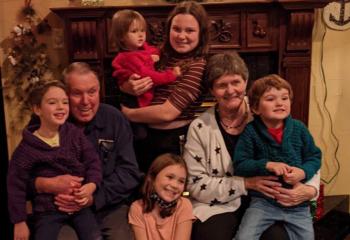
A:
x: 330, y: 89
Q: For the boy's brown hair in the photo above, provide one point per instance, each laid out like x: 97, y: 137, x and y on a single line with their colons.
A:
x: 261, y: 85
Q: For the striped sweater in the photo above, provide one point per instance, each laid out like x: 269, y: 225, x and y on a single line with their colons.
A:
x: 184, y: 92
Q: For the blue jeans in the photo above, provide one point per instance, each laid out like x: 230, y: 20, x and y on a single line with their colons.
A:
x: 261, y: 214
x: 48, y: 225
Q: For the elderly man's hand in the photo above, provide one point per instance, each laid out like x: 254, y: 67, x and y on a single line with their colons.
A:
x: 59, y: 184
x: 67, y: 203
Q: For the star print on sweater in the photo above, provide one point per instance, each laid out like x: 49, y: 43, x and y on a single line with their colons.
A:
x: 199, y: 125
x: 196, y: 179
x: 215, y: 171
x: 203, y: 187
x: 214, y: 202
x: 197, y: 158
x: 231, y: 192
x: 217, y: 150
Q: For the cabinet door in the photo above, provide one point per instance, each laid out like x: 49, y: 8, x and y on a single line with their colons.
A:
x: 83, y: 37
x: 261, y: 30
x: 225, y: 31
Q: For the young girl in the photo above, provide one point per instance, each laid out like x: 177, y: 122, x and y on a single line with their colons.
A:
x: 162, y: 213
x: 53, y: 148
x: 172, y: 109
x: 135, y: 56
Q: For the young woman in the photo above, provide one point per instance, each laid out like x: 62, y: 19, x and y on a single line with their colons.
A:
x: 162, y: 213
x: 170, y: 114
x: 53, y: 148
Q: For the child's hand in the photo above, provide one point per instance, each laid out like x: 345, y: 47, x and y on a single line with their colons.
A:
x: 278, y: 168
x: 85, y: 191
x: 177, y: 71
x: 294, y: 176
x: 21, y: 231
x: 155, y: 58
x: 84, y: 194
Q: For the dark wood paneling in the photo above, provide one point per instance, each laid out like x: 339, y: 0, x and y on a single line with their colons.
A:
x: 273, y: 37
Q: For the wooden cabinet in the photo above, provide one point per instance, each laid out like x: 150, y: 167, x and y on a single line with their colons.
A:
x: 272, y: 36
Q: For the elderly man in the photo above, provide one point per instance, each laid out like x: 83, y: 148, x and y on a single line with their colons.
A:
x: 110, y: 133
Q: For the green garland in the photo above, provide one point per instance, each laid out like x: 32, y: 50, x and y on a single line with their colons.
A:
x: 27, y: 63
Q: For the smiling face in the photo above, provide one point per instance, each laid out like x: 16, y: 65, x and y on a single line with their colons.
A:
x: 83, y: 95
x: 170, y: 182
x: 274, y: 107
x: 184, y: 33
x: 136, y: 36
x: 54, y: 108
x: 229, y: 91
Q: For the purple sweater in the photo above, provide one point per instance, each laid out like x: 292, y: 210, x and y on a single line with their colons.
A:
x: 34, y: 158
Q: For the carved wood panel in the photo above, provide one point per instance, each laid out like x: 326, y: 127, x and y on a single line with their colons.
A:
x: 225, y: 31
x: 273, y: 37
x: 83, y: 34
x: 299, y: 30
x: 260, y: 32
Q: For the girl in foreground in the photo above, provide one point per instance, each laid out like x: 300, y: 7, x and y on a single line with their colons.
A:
x: 162, y: 213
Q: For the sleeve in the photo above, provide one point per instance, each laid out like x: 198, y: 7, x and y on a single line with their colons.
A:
x: 311, y: 154
x: 185, y: 211
x: 151, y: 49
x: 121, y: 71
x: 91, y: 160
x: 125, y: 65
x: 17, y: 177
x: 244, y: 160
x: 202, y: 185
x: 315, y: 182
x: 188, y: 87
x: 136, y: 216
x: 121, y: 173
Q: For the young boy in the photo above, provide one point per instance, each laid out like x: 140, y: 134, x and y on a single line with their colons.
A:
x: 275, y: 143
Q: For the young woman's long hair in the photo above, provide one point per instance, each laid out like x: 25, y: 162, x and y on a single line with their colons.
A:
x: 199, y: 13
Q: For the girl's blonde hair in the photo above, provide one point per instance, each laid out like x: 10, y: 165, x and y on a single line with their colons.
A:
x: 121, y: 22
x: 156, y: 167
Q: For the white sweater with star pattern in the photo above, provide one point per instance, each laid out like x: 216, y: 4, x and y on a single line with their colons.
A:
x: 212, y: 186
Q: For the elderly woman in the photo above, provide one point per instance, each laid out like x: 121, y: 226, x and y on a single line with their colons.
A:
x: 215, y: 191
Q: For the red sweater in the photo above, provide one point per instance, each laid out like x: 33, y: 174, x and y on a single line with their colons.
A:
x: 140, y: 62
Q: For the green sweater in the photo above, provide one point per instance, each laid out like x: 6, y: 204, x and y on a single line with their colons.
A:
x: 256, y: 147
